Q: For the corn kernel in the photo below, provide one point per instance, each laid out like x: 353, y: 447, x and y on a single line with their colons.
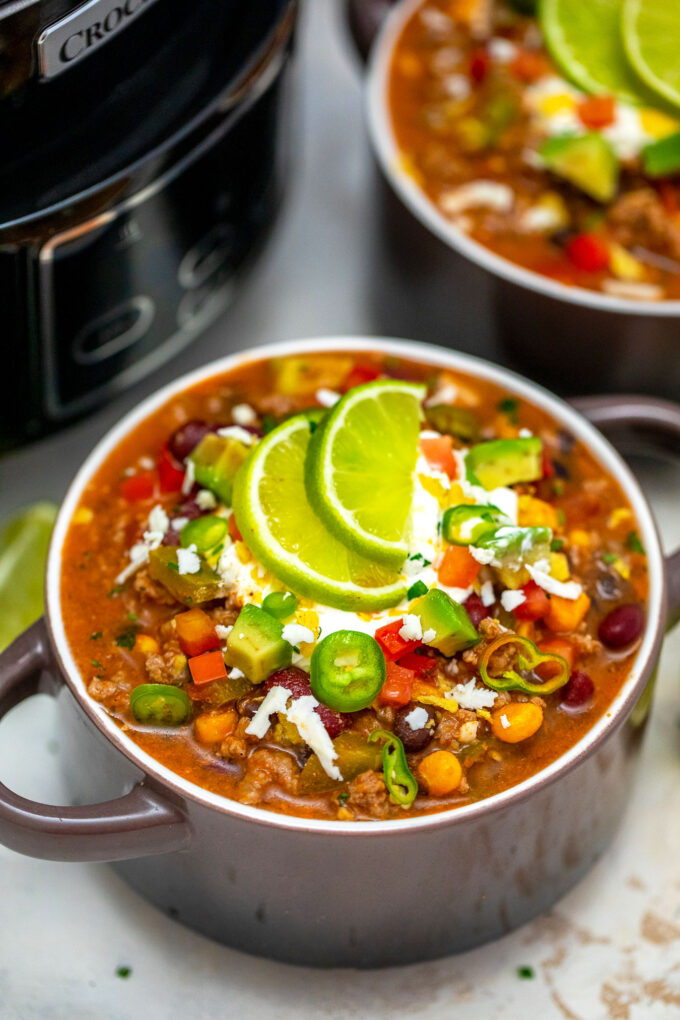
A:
x: 622, y: 568
x: 179, y: 664
x: 536, y: 513
x: 514, y: 578
x: 624, y: 265
x: 441, y: 772
x: 146, y: 644
x: 517, y: 721
x: 345, y: 815
x: 559, y: 103
x: 579, y: 538
x: 409, y: 65
x: 525, y: 629
x: 83, y: 515
x: 242, y: 552
x: 435, y: 488
x: 657, y: 124
x: 559, y: 566
x: 622, y: 515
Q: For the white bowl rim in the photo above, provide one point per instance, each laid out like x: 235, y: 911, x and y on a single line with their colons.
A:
x: 414, y: 198
x: 444, y: 359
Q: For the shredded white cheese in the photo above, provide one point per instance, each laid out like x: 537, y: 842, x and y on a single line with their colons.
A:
x: 487, y: 594
x: 223, y: 632
x: 472, y: 697
x: 510, y: 599
x: 416, y: 718
x: 236, y: 432
x: 189, y: 477
x: 243, y: 414
x: 188, y: 560
x: 157, y: 526
x: 327, y: 398
x: 295, y: 634
x: 505, y: 722
x: 301, y: 712
x: 412, y: 629
x: 502, y: 50
x: 564, y: 589
x: 429, y: 635
x: 477, y: 195
x: 275, y: 701
x: 205, y: 499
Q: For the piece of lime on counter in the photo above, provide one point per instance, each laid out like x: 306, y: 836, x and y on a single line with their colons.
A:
x: 585, y: 39
x: 24, y: 542
x: 651, y: 36
x: 282, y: 530
x: 359, y: 470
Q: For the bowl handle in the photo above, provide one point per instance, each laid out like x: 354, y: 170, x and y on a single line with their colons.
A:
x: 658, y: 423
x: 364, y: 18
x: 140, y: 823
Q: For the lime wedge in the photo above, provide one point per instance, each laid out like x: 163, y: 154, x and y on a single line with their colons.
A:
x: 359, y: 471
x: 585, y: 39
x: 651, y: 35
x: 281, y: 529
x: 23, y: 554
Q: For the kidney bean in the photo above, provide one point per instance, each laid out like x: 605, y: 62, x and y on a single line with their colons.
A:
x: 475, y: 609
x: 418, y: 738
x: 578, y: 689
x: 296, y: 681
x: 186, y: 438
x: 622, y: 626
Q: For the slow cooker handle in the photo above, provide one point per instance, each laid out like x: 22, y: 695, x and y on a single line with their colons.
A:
x: 141, y: 823
x: 658, y: 422
x: 365, y: 18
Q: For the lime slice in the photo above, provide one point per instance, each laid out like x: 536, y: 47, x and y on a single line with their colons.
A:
x: 281, y: 529
x: 23, y: 554
x: 585, y: 39
x: 359, y: 471
x: 651, y: 35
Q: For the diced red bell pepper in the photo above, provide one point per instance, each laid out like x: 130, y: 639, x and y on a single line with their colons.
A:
x: 236, y: 535
x: 529, y: 66
x: 480, y: 62
x: 439, y: 454
x: 170, y: 472
x: 536, y: 603
x: 588, y: 252
x: 547, y: 464
x: 207, y: 667
x: 398, y: 686
x: 138, y: 487
x: 361, y: 373
x: 392, y: 643
x: 596, y: 112
x: 196, y: 632
x: 458, y: 567
x: 420, y: 665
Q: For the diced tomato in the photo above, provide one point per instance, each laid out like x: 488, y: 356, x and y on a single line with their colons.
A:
x: 233, y: 529
x: 476, y: 609
x: 536, y: 603
x: 669, y: 195
x: 170, y: 472
x: 207, y: 667
x: 361, y: 373
x: 196, y: 632
x: 555, y: 646
x: 138, y: 487
x: 439, y: 454
x: 588, y: 252
x: 420, y: 665
x: 529, y: 65
x: 458, y: 567
x: 547, y: 464
x: 480, y: 62
x: 392, y: 643
x: 398, y: 685
x: 596, y: 112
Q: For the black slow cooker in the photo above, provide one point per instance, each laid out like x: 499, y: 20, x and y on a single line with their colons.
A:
x: 143, y: 157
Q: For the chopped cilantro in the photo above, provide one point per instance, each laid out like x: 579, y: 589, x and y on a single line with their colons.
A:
x: 634, y: 544
x: 269, y: 422
x: 526, y: 973
x: 132, y: 617
x: 116, y: 590
x: 95, y: 637
x: 174, y: 566
x: 97, y: 663
x: 510, y: 407
x: 123, y: 972
x: 561, y: 519
x: 127, y: 639
x: 610, y: 558
x: 558, y: 487
x: 419, y: 558
x: 343, y: 798
x: 556, y: 544
x: 419, y: 588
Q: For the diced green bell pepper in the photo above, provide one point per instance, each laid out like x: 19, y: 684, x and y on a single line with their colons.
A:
x: 191, y: 589
x: 355, y: 755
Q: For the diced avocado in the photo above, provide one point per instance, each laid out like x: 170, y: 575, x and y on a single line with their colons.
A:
x: 192, y: 589
x: 504, y: 462
x: 216, y: 460
x: 451, y: 624
x: 513, y: 543
x: 662, y: 158
x: 255, y: 645
x: 586, y: 161
x: 466, y: 525
x: 454, y: 421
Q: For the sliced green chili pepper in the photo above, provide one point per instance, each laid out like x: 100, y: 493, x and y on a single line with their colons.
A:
x: 528, y: 658
x: 347, y: 670
x: 160, y: 704
x: 466, y: 525
x: 205, y: 533
x: 280, y: 604
x: 400, y: 782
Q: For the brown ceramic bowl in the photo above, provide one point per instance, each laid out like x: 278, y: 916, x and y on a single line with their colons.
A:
x: 340, y: 893
x: 438, y: 279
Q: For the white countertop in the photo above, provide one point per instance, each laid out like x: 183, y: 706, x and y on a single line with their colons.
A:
x: 609, y: 951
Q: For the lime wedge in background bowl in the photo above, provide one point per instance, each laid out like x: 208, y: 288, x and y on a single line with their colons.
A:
x: 359, y: 471
x: 282, y: 530
x: 586, y: 41
x: 651, y: 35
x: 24, y: 542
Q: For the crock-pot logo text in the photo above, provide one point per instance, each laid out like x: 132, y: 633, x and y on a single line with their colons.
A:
x: 84, y: 30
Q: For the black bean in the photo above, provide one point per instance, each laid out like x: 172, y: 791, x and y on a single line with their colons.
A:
x: 414, y: 739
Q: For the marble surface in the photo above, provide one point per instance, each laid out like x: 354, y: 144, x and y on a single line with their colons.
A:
x: 609, y: 951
